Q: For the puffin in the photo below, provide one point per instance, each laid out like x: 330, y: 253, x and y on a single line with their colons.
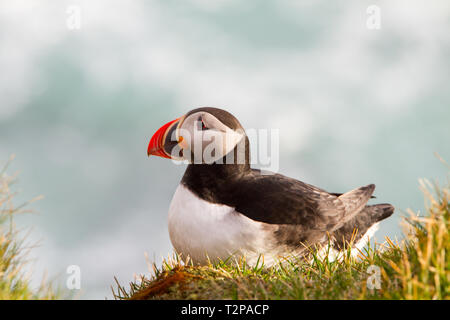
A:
x: 223, y: 208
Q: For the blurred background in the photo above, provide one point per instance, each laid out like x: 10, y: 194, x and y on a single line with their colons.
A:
x: 85, y: 84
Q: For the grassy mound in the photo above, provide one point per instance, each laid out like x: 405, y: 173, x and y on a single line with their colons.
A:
x: 14, y: 284
x: 418, y: 267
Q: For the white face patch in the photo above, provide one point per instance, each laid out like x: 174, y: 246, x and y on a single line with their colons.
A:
x: 207, y: 139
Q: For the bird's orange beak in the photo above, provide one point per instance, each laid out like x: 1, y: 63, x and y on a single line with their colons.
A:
x: 156, y: 145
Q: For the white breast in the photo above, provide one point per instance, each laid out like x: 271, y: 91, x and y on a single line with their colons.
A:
x: 201, y: 229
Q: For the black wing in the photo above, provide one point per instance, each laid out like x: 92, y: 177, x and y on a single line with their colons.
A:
x: 277, y: 199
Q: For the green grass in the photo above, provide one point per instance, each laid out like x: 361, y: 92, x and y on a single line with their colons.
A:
x: 418, y: 267
x: 14, y: 282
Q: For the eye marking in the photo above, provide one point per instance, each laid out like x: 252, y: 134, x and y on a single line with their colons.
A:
x: 203, y: 126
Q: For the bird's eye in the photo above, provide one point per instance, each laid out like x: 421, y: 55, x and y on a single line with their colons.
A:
x: 203, y: 126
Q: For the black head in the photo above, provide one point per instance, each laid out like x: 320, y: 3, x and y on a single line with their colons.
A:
x: 203, y: 136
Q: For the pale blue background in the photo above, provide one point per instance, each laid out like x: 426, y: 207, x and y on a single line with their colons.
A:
x: 354, y: 106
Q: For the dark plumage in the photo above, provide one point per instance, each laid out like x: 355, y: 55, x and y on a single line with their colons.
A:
x: 259, y: 213
x: 305, y: 213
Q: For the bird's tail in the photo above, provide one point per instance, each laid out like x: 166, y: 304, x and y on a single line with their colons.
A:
x: 380, y: 211
x: 368, y: 217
